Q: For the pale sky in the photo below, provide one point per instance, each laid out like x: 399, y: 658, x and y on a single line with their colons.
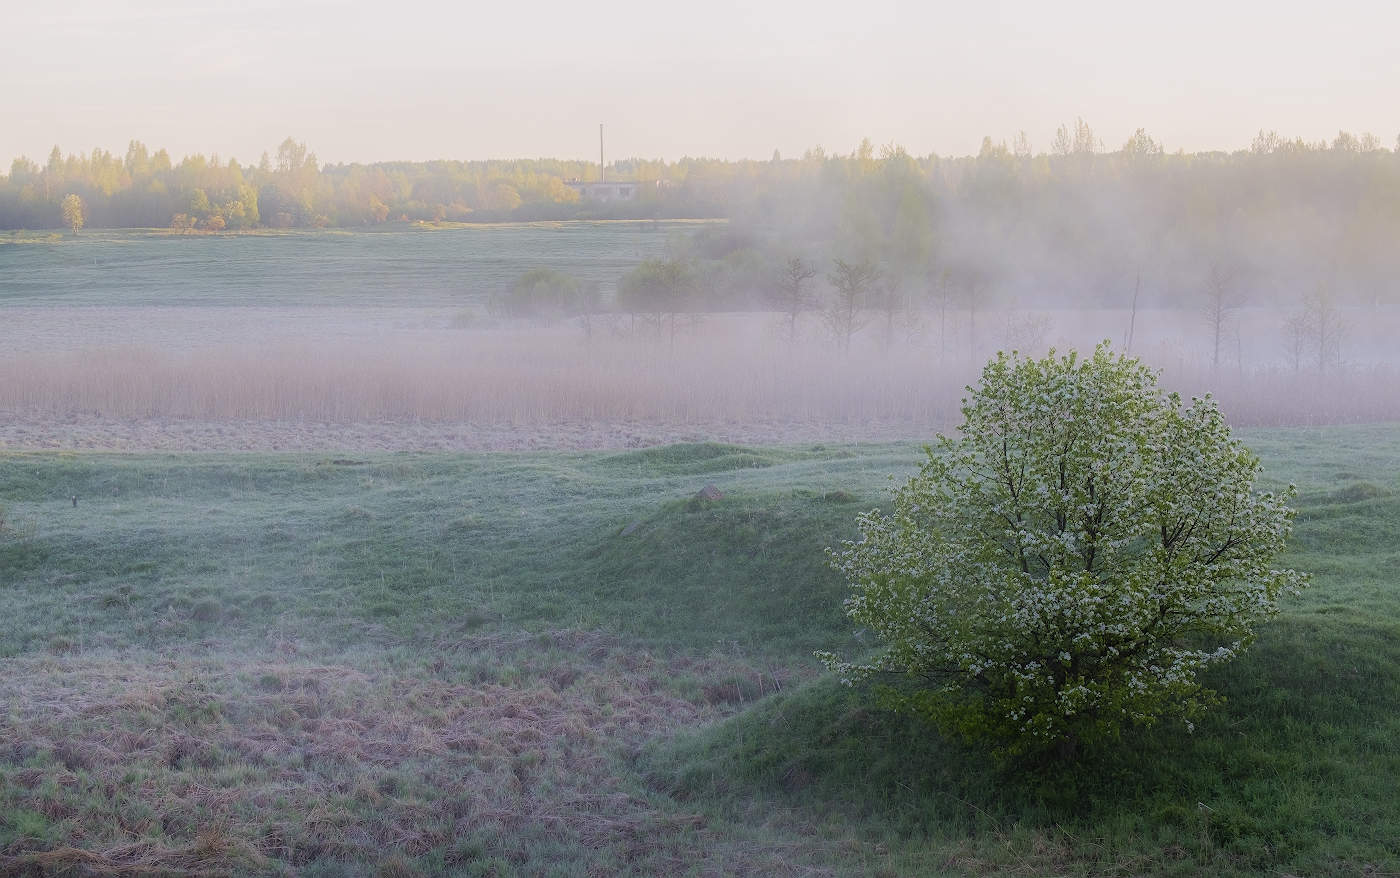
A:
x: 371, y: 81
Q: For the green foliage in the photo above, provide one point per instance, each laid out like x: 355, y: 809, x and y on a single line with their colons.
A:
x: 450, y: 267
x: 687, y: 458
x: 657, y: 286
x: 853, y: 284
x: 660, y: 290
x: 1293, y: 774
x: 546, y: 294
x: 488, y: 556
x: 160, y: 548
x: 1073, y: 562
x: 148, y: 190
x: 913, y: 216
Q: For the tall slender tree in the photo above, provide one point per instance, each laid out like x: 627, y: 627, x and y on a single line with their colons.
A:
x: 1221, y: 301
x: 791, y: 294
x: 851, y: 284
x: 73, y: 212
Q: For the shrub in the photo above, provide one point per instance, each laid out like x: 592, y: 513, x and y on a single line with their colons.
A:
x: 545, y: 294
x: 658, y: 289
x: 1070, y: 564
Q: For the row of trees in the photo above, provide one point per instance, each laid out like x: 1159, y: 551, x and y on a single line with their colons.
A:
x: 1077, y: 223
x: 666, y: 294
x: 291, y: 188
x: 1085, y: 226
x: 1076, y: 226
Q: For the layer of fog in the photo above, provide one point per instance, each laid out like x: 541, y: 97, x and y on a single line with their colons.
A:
x: 729, y: 377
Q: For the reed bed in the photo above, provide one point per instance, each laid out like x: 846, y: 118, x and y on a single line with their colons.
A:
x: 727, y: 372
x: 525, y: 378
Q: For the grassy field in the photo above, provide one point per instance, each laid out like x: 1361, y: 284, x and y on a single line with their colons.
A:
x: 403, y: 265
x: 562, y: 664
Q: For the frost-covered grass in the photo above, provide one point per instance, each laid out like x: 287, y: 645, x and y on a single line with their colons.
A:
x: 392, y: 266
x: 458, y: 664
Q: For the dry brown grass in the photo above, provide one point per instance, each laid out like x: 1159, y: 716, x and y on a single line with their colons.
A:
x: 245, y: 765
x: 421, y: 385
x: 518, y: 378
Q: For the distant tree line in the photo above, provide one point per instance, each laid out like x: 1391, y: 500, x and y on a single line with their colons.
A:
x: 291, y: 189
x: 1085, y: 224
x: 1078, y: 222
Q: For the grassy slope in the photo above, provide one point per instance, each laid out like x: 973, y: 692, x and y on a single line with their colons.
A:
x: 437, y: 662
x: 1295, y: 773
x: 422, y: 546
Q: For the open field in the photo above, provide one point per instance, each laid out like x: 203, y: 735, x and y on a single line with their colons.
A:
x: 424, y: 265
x: 555, y: 663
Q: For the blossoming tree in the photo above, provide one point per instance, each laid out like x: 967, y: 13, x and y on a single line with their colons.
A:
x: 1071, y: 563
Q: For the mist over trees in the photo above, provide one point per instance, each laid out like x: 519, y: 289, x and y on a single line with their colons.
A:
x: 1078, y: 223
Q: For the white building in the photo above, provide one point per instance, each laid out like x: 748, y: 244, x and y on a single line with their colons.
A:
x: 609, y: 191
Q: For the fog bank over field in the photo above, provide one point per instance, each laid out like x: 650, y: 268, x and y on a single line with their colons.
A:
x: 420, y: 378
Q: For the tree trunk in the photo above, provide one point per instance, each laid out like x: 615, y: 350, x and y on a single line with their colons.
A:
x: 1067, y: 750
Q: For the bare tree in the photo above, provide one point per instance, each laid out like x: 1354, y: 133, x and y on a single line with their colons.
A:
x: 1220, y: 303
x: 972, y: 280
x: 791, y: 295
x: 846, y: 312
x: 589, y: 304
x: 1295, y: 339
x: 1315, y: 331
x: 887, y: 297
x: 1325, y: 327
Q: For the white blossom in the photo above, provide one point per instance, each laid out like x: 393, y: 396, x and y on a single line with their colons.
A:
x: 1051, y: 563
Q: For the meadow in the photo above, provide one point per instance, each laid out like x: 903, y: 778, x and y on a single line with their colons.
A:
x: 385, y: 340
x: 436, y: 595
x: 561, y: 663
x: 424, y: 265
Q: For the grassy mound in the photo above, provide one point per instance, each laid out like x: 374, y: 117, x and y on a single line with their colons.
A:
x: 688, y: 459
x: 1295, y: 772
x: 163, y: 550
x: 749, y: 568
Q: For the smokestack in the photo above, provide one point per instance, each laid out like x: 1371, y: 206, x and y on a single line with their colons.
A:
x: 602, y: 168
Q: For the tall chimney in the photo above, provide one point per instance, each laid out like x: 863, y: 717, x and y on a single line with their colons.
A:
x: 602, y: 168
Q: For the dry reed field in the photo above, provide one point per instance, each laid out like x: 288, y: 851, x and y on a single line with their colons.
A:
x: 196, y: 378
